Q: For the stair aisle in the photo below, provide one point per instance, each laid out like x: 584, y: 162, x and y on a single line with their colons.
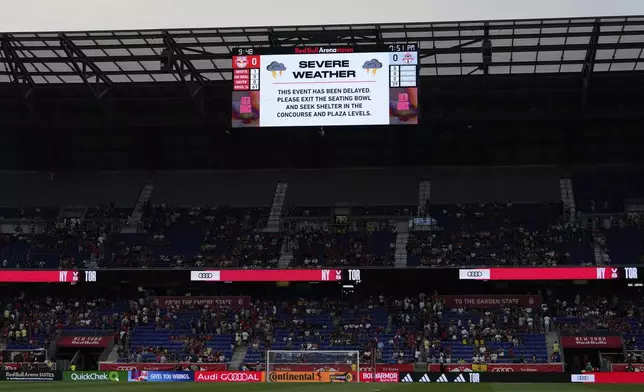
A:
x: 275, y: 216
x: 144, y: 196
x: 568, y: 197
x: 424, y: 195
x: 401, y: 244
x: 239, y: 355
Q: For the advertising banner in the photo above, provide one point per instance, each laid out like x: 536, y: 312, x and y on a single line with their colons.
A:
x: 540, y: 273
x: 160, y: 366
x: 30, y: 376
x: 379, y: 377
x: 582, y: 378
x: 310, y: 377
x: 159, y: 376
x: 84, y: 341
x: 591, y: 341
x: 10, y: 365
x: 608, y: 378
x: 229, y: 377
x: 439, y: 377
x: 623, y: 367
x: 211, y: 302
x: 298, y: 377
x: 503, y: 367
x: 491, y: 301
x: 113, y: 376
x: 472, y: 377
x: 300, y: 367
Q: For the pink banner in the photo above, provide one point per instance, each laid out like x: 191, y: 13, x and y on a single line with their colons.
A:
x: 211, y: 302
x: 160, y: 366
x: 491, y: 301
x: 502, y: 367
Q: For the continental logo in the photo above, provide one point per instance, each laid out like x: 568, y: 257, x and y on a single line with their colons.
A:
x: 299, y: 377
x: 334, y: 377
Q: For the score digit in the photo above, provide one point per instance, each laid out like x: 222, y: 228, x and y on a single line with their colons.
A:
x: 354, y: 275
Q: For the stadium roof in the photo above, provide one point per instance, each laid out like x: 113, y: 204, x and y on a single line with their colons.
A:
x: 518, y: 47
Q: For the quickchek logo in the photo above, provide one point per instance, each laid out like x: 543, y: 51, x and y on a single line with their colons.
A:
x: 95, y: 376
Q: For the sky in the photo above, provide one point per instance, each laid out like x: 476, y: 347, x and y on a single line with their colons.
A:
x: 81, y: 15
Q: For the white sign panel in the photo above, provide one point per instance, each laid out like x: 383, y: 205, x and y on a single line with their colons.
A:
x: 324, y: 89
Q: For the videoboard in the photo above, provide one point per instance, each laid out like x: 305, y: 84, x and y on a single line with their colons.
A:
x: 325, y: 86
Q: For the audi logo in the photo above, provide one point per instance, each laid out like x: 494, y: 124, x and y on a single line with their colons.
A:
x: 126, y: 368
x: 503, y: 370
x: 474, y: 274
x: 204, y: 275
x: 237, y: 377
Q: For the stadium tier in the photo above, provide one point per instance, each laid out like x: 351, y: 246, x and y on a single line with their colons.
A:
x: 474, y: 219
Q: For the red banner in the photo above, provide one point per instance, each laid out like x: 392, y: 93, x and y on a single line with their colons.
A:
x: 491, y: 301
x: 40, y: 276
x: 623, y: 367
x: 380, y: 377
x: 211, y: 302
x: 591, y: 341
x: 10, y: 365
x: 608, y: 378
x: 84, y: 341
x: 160, y: 366
x: 229, y: 376
x: 502, y: 367
x: 318, y: 367
x: 544, y: 273
x: 268, y: 275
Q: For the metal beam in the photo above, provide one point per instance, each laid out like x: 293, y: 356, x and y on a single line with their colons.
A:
x: 465, y: 65
x: 17, y: 70
x: 634, y: 22
x: 589, y: 64
x: 486, y: 52
x: 344, y: 38
x: 194, y: 81
x: 191, y: 54
x: 102, y: 84
x: 452, y: 49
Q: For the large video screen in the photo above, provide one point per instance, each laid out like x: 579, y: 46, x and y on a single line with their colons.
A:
x: 325, y: 86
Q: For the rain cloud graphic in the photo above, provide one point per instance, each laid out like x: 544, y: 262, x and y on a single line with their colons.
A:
x: 276, y: 67
x: 372, y: 66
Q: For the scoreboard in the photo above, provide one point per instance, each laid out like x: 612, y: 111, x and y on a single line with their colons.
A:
x: 325, y: 86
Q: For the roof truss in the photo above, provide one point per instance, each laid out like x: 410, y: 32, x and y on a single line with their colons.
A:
x: 580, y: 46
